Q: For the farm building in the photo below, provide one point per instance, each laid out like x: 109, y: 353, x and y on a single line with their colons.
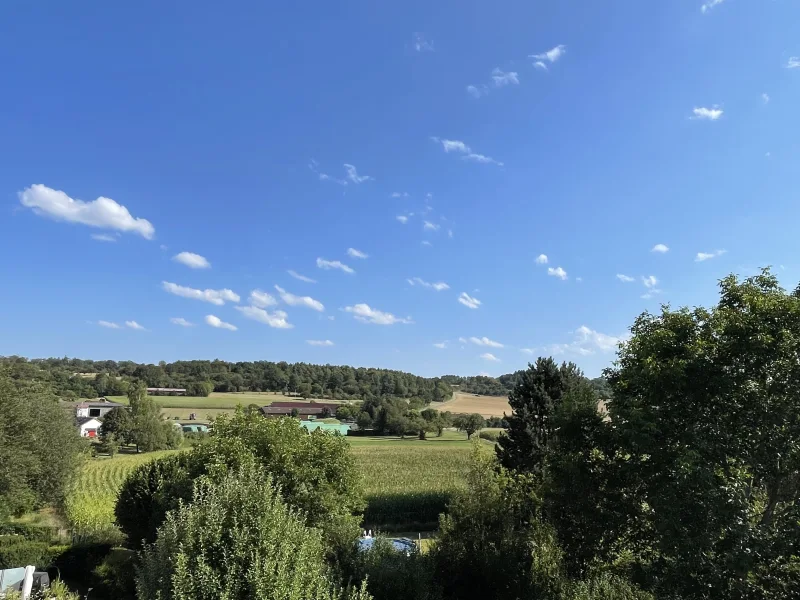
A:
x: 159, y: 391
x: 296, y: 404
x: 304, y: 413
x: 89, y: 426
x: 97, y: 408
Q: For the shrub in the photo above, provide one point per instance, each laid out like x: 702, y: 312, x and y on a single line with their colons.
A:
x: 76, y: 561
x: 604, y: 587
x: 491, y: 436
x: 236, y: 540
x: 391, y: 574
x: 116, y: 574
x: 16, y: 551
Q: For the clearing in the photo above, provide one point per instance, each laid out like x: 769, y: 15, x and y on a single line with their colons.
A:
x: 486, y: 406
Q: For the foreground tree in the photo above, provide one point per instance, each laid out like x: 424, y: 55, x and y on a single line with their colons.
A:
x: 706, y: 416
x: 147, y: 429
x: 470, y: 424
x: 40, y: 449
x: 237, y: 540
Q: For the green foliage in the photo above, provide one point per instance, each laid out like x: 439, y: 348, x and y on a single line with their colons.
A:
x: 16, y: 551
x: 491, y: 436
x: 58, y: 590
x: 237, y: 540
x: 706, y: 414
x: 364, y: 420
x: 469, y: 423
x: 604, y: 586
x: 144, y: 425
x: 40, y: 450
x: 118, y: 422
x: 314, y: 471
x: 391, y: 575
x: 116, y: 575
x: 200, y: 389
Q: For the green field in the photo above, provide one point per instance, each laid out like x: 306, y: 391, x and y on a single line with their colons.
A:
x: 406, y: 482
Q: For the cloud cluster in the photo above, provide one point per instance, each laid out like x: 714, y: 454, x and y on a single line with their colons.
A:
x: 707, y: 6
x: 707, y: 114
x: 702, y: 256
x: 366, y: 314
x: 218, y: 297
x: 134, y: 325
x: 293, y: 300
x: 192, y: 260
x: 499, y: 78
x: 468, y: 300
x: 181, y: 321
x: 439, y: 286
x: 550, y: 56
x: 483, y: 341
x: 103, y: 213
x: 557, y: 272
x: 276, y: 319
x: 541, y: 259
x: 215, y: 321
x: 334, y: 264
x: 466, y: 152
x: 625, y: 278
x: 262, y: 299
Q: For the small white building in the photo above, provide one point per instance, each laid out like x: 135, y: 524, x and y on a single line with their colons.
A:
x: 95, y: 408
x: 89, y: 426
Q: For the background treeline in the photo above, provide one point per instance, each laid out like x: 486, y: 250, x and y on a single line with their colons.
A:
x: 71, y: 377
x: 504, y: 384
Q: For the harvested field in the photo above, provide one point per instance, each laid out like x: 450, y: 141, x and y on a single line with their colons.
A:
x: 486, y: 406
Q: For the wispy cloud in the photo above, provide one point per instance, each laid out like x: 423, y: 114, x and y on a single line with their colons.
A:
x: 352, y: 252
x: 468, y: 300
x: 428, y: 226
x: 662, y: 248
x: 426, y: 243
x: 353, y: 175
x: 366, y: 314
x: 420, y: 44
x: 490, y: 357
x: 326, y: 177
x: 794, y: 62
x: 476, y: 91
x: 439, y: 286
x: 650, y: 281
x: 707, y: 6
x: 402, y: 218
x: 440, y: 345
x: 276, y: 319
x: 133, y: 325
x: 485, y: 341
x: 466, y: 152
x: 293, y: 300
x: 399, y: 195
x: 215, y: 321
x: 765, y: 98
x: 557, y: 272
x: 701, y: 256
x: 527, y: 350
x: 551, y: 55
x: 299, y: 277
x: 540, y: 65
x: 541, y: 259
x: 333, y: 264
x: 108, y: 324
x: 218, y: 297
x: 601, y: 341
x: 707, y: 114
x: 502, y: 78
x: 192, y: 260
x: 262, y: 299
x: 103, y: 237
x: 181, y: 321
x: 319, y: 342
x: 625, y: 278
x: 103, y: 213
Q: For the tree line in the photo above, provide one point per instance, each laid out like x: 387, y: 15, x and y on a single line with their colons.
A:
x: 70, y: 377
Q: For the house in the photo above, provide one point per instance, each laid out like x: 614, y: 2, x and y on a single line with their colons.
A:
x: 95, y: 408
x: 158, y: 391
x: 89, y: 426
x: 305, y: 412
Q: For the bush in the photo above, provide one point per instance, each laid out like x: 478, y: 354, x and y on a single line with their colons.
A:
x: 76, y: 561
x: 236, y: 540
x: 16, y: 551
x: 391, y: 574
x: 604, y: 587
x: 491, y: 436
x: 407, y: 511
x: 116, y: 574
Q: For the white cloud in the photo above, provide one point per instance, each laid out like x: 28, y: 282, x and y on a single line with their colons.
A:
x: 701, y: 256
x: 650, y: 281
x: 319, y: 342
x: 707, y: 6
x: 262, y: 299
x: 353, y: 175
x: 462, y: 148
x: 192, y: 260
x: 356, y: 253
x: 420, y: 44
x: 103, y: 237
x: 133, y: 325
x: 541, y: 259
x: 662, y: 248
x: 540, y: 65
x: 293, y: 300
x: 333, y: 264
x: 450, y: 233
x: 484, y: 341
x: 551, y: 55
x: 365, y: 314
x: 650, y: 294
x: 794, y: 62
x: 440, y: 345
x: 468, y: 300
x: 426, y: 243
x: 219, y: 323
x: 301, y: 277
x: 502, y: 79
x: 579, y: 279
x: 402, y: 218
x: 103, y: 213
x: 527, y: 350
x: 218, y: 297
x: 625, y: 278
x: 490, y: 357
x: 603, y: 342
x: 708, y: 114
x: 275, y: 319
x: 399, y: 195
x: 428, y: 226
x: 557, y: 272
x: 439, y: 286
x: 108, y: 324
x: 476, y: 91
x: 181, y: 321
x: 765, y: 98
x: 326, y: 177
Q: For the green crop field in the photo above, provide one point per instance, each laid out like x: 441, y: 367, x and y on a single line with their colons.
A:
x: 407, y: 483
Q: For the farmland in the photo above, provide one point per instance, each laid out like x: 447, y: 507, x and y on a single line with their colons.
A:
x: 407, y: 482
x: 486, y: 406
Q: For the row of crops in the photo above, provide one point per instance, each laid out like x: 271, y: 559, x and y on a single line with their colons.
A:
x: 406, y: 484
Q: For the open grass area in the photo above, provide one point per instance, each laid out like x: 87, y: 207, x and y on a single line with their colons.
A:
x: 220, y: 400
x: 407, y: 482
x: 486, y: 406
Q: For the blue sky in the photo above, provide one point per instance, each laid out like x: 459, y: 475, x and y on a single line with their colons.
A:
x: 226, y: 131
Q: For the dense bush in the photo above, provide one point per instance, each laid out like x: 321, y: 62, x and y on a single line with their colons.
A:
x: 491, y: 436
x: 393, y: 575
x: 237, y: 540
x: 17, y: 551
x: 405, y: 511
x: 116, y: 575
